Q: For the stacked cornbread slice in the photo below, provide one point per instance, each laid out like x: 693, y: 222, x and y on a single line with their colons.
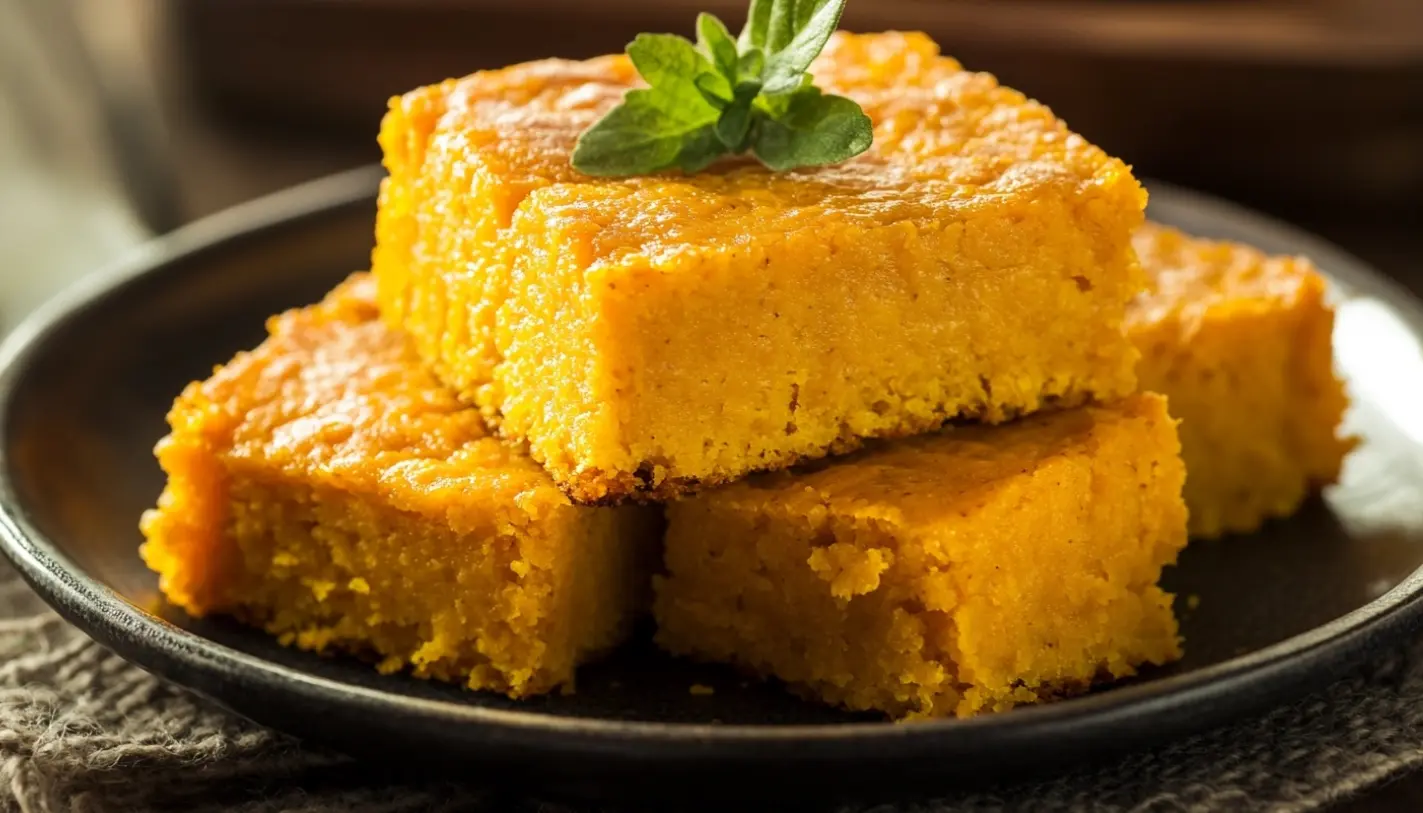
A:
x: 1242, y: 345
x: 328, y: 488
x: 650, y: 335
x: 966, y: 571
x: 891, y: 405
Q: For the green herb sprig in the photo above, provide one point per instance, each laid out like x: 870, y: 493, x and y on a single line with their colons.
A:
x: 727, y: 97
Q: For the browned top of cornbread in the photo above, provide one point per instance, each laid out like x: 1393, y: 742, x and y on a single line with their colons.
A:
x: 923, y: 479
x: 947, y: 142
x: 336, y: 397
x: 1188, y: 277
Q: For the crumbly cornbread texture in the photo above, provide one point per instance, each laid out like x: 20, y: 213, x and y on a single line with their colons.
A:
x: 650, y: 334
x: 1240, y: 343
x: 327, y: 488
x: 947, y: 574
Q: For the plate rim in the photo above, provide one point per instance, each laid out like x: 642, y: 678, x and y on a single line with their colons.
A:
x: 1252, y: 681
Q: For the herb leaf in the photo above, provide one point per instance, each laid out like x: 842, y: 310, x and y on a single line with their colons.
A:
x: 699, y: 149
x: 648, y: 132
x: 749, y: 66
x: 786, y: 64
x: 720, y: 96
x: 715, y: 88
x: 781, y: 26
x: 668, y: 62
x: 758, y: 22
x: 716, y: 42
x: 735, y: 123
x: 816, y: 129
x: 805, y: 9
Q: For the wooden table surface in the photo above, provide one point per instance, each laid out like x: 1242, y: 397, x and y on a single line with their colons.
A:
x: 217, y: 162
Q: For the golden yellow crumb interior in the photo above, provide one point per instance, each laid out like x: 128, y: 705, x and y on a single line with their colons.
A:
x: 325, y: 487
x: 950, y: 574
x: 1241, y: 345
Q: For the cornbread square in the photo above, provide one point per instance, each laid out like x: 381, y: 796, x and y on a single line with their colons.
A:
x: 648, y: 335
x: 326, y: 488
x: 949, y: 574
x: 1241, y: 344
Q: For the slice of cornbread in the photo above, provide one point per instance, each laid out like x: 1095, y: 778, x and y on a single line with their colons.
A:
x: 947, y: 574
x: 325, y: 487
x: 1240, y: 343
x: 649, y: 334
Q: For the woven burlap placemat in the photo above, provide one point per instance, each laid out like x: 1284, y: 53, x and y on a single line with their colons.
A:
x: 82, y: 730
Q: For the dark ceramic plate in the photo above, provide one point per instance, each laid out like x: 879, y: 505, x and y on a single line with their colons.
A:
x: 83, y: 391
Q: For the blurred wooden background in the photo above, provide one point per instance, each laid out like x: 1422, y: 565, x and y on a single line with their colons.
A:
x: 1308, y: 109
x: 1237, y: 93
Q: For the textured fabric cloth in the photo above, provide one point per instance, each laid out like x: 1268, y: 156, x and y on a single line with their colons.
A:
x: 82, y: 730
